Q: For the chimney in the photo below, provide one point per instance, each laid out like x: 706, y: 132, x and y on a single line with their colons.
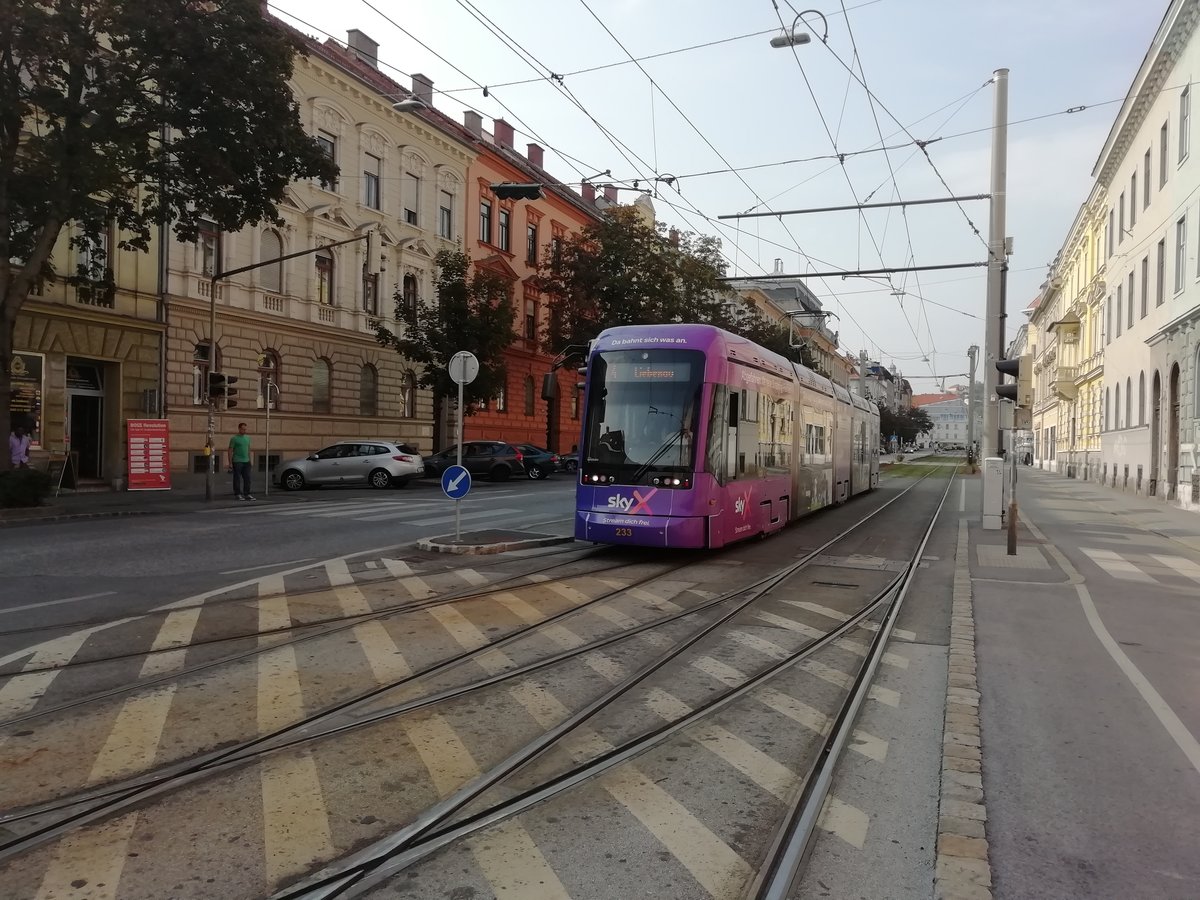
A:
x: 363, y: 47
x: 589, y: 192
x: 778, y: 266
x: 503, y: 132
x: 610, y: 193
x: 422, y: 88
x: 534, y: 153
x: 474, y: 122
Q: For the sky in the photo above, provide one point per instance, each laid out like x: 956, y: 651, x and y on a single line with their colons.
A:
x: 794, y: 121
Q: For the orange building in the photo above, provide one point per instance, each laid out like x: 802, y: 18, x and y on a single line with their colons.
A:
x: 510, y: 237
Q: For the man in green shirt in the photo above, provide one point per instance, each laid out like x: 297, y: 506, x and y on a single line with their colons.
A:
x: 239, y: 462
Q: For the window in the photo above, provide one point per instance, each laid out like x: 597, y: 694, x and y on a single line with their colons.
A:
x: 1180, y: 252
x: 328, y: 144
x: 556, y: 250
x: 575, y: 405
x: 409, y: 296
x: 271, y: 247
x: 1129, y: 320
x: 1163, y: 155
x: 1109, y: 233
x: 445, y: 216
x: 1107, y: 408
x: 368, y: 391
x: 1118, y: 322
x: 1197, y: 392
x: 1185, y: 120
x: 1121, y: 219
x: 412, y: 197
x: 485, y: 221
x: 502, y: 399
x: 408, y: 395
x: 320, y: 386
x: 531, y: 245
x: 371, y: 293
x: 1161, y: 273
x: 371, y: 193
x: 529, y: 410
x: 1146, y: 180
x: 1128, y: 403
x: 200, y: 369
x: 530, y: 320
x: 325, y: 278
x: 814, y: 440
x: 1142, y: 398
x: 268, y: 379
x: 1145, y: 285
x: 505, y: 230
x: 1117, y: 409
x: 1132, y: 200
x: 208, y: 243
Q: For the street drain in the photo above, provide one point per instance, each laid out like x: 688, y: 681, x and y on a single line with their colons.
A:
x: 841, y: 584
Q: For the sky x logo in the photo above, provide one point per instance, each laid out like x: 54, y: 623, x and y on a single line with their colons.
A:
x: 643, y: 503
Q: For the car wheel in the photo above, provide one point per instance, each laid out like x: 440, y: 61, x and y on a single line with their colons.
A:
x: 380, y: 478
x: 500, y: 473
x: 572, y: 465
x: 536, y: 473
x: 291, y: 480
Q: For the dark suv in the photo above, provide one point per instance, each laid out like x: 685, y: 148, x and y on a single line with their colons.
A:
x: 494, y: 460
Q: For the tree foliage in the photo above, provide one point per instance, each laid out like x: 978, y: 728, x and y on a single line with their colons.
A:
x: 906, y: 423
x: 624, y: 271
x: 89, y: 88
x: 474, y: 312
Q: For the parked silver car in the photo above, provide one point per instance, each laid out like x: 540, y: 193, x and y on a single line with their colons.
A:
x: 380, y: 464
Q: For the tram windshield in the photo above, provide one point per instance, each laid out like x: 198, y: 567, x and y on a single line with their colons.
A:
x: 643, y: 406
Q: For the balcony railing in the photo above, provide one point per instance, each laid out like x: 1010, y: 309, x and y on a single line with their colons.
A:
x: 1064, y: 382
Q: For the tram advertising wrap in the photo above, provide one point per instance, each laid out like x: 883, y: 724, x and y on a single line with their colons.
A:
x: 694, y: 437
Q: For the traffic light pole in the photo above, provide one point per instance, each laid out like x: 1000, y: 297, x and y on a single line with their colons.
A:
x: 993, y: 343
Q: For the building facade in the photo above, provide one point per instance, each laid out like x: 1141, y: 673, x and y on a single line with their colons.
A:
x: 1149, y: 168
x: 949, y: 417
x: 299, y: 334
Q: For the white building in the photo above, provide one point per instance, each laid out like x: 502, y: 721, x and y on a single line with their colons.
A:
x: 1150, y: 169
x: 949, y: 419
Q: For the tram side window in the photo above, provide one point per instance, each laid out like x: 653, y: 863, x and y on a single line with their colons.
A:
x: 718, y: 434
x: 750, y: 450
x: 774, y: 432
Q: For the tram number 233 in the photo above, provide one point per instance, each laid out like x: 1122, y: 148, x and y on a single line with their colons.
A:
x: 624, y: 532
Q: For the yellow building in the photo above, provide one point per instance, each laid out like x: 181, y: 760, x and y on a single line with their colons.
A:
x: 1069, y: 367
x: 302, y: 330
x: 87, y: 358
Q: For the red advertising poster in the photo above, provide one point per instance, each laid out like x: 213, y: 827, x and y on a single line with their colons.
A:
x: 149, y: 455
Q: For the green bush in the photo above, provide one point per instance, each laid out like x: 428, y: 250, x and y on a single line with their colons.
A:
x: 23, y: 487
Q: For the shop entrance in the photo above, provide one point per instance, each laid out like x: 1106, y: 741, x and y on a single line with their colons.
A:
x: 85, y: 417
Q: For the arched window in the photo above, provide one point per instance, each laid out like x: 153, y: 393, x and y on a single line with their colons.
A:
x: 1128, y: 403
x: 1142, y: 398
x: 1117, y: 409
x: 1107, y: 408
x: 409, y: 296
x: 502, y: 399
x: 1196, y: 382
x: 325, y: 277
x: 322, y: 374
x: 368, y: 391
x: 408, y: 395
x: 529, y: 395
x: 268, y: 379
x: 272, y: 247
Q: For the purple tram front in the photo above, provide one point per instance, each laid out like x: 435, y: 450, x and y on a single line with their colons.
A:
x: 688, y: 440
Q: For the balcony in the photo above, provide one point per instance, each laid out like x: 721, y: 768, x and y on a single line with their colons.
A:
x: 1063, y: 382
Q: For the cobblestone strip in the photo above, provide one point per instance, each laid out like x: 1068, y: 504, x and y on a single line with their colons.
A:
x: 963, y: 871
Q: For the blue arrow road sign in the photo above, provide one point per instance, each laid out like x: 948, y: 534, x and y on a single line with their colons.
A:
x: 456, y: 482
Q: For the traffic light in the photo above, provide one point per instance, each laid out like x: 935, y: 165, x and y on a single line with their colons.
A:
x: 221, y: 390
x: 374, y: 252
x: 1021, y: 368
x: 518, y: 191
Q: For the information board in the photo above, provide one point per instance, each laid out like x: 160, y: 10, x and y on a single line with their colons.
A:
x: 149, y: 454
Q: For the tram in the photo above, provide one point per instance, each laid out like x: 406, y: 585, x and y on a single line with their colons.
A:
x: 697, y: 438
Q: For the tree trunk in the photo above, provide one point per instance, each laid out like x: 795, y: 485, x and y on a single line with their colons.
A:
x: 7, y: 322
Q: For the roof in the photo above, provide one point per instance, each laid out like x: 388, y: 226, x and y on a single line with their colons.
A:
x: 926, y: 399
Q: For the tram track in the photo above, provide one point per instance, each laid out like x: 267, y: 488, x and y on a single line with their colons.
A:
x: 84, y: 809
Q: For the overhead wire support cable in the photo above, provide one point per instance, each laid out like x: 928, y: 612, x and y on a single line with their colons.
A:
x: 855, y: 206
x: 852, y: 273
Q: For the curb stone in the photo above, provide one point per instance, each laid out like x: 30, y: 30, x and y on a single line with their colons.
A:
x: 963, y: 869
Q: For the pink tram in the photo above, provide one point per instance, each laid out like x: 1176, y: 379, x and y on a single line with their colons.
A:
x: 695, y: 437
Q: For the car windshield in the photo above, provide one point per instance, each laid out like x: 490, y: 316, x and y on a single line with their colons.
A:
x: 642, y: 409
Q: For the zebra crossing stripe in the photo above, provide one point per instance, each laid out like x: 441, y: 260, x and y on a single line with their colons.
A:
x: 1184, y: 567
x: 1116, y: 565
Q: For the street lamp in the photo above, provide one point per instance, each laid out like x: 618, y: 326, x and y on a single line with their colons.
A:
x: 792, y: 37
x: 412, y: 104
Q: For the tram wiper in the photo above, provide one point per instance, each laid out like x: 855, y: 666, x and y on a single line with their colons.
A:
x: 657, y: 454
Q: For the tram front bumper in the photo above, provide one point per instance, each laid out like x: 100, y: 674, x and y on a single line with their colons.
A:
x: 640, y: 531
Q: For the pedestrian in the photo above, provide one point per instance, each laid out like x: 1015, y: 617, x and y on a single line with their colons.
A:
x: 18, y: 448
x: 239, y: 463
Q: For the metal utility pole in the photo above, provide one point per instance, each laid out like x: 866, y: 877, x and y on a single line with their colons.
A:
x: 993, y: 341
x: 972, y: 352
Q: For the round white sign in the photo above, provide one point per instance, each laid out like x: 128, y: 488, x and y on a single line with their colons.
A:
x: 463, y: 367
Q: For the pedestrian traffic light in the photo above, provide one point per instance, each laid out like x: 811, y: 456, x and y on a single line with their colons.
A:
x: 221, y: 391
x: 1021, y: 368
x: 518, y: 191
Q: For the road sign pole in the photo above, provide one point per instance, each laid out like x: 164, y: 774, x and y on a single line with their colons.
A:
x: 458, y: 503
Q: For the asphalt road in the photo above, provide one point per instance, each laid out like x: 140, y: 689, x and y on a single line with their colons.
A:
x: 122, y: 566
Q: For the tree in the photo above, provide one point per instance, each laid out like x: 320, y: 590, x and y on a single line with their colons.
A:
x: 905, y: 423
x: 474, y: 311
x: 88, y: 91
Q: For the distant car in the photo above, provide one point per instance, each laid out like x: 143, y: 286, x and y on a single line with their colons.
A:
x: 381, y: 464
x: 494, y: 460
x: 539, y: 462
